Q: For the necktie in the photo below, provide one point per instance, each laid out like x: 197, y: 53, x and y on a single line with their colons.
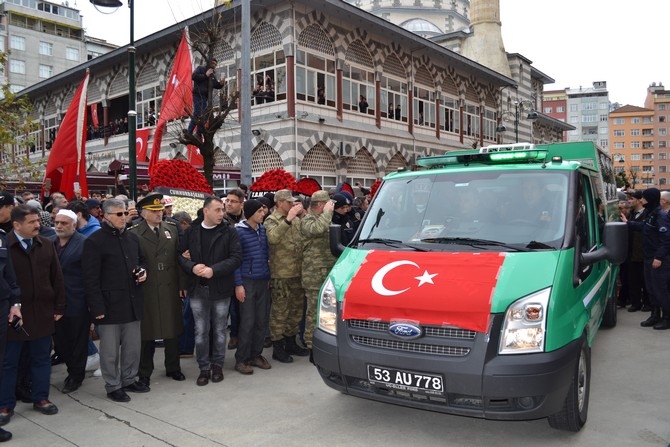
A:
x: 29, y: 243
x: 158, y: 235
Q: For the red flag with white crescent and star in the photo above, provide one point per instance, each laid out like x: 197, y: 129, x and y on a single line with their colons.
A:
x: 141, y: 143
x: 442, y: 289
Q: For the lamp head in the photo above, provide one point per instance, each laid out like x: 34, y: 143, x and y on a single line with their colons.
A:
x: 532, y: 115
x: 501, y: 128
x: 107, y: 3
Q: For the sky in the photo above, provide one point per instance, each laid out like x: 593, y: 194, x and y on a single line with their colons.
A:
x: 575, y: 42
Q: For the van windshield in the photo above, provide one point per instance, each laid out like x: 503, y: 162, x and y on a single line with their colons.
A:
x: 514, y: 210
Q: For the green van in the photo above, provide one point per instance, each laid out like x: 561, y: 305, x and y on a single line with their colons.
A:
x: 476, y: 286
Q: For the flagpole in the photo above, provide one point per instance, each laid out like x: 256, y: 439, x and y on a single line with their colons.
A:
x: 132, y: 113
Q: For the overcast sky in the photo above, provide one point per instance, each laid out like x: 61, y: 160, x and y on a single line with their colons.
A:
x: 576, y: 42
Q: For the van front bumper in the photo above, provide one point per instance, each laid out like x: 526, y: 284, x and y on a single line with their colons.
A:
x: 480, y: 384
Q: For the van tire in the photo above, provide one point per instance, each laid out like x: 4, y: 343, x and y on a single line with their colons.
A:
x: 610, y: 314
x: 572, y: 416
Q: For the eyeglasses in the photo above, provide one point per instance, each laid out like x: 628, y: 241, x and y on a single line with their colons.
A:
x: 232, y: 201
x: 119, y: 214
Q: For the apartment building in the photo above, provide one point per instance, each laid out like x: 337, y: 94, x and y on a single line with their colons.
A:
x: 632, y: 134
x: 555, y: 105
x: 588, y: 110
x: 658, y: 100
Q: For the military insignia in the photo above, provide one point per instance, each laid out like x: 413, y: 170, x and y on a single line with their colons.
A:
x: 167, y: 234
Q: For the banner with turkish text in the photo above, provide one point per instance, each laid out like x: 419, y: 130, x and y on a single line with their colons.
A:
x: 141, y: 143
x: 66, y: 166
x: 442, y: 289
x: 178, y: 97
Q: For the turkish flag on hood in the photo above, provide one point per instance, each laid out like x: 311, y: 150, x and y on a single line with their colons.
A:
x: 67, y: 159
x: 441, y: 289
x: 178, y: 99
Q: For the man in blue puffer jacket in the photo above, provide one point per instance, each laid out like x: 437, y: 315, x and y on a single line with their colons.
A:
x: 252, y: 280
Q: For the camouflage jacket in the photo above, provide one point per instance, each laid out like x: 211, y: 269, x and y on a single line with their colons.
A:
x: 316, y: 247
x: 285, y: 246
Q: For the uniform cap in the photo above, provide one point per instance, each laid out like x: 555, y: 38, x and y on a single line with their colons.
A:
x: 341, y: 200
x: 320, y: 196
x: 6, y: 198
x: 284, y: 194
x: 152, y: 202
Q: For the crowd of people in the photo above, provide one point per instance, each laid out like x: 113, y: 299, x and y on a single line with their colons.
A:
x: 137, y: 276
x: 645, y: 275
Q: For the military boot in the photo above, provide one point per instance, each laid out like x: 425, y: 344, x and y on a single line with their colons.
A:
x: 292, y: 347
x: 654, y: 318
x: 279, y: 353
x: 664, y: 322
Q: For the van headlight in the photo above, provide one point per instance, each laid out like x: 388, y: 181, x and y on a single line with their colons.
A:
x: 328, y: 308
x: 525, y: 324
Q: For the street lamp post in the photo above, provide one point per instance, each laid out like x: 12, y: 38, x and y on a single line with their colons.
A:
x: 132, y: 113
x: 519, y: 107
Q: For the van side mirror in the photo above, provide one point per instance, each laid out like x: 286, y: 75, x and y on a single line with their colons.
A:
x: 335, y: 238
x: 614, y: 248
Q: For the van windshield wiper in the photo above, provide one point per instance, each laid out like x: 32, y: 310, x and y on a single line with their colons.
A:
x: 472, y: 242
x: 539, y: 246
x: 390, y: 243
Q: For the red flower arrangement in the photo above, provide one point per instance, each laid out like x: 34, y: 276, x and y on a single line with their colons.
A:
x: 374, y: 188
x: 307, y: 186
x: 274, y: 180
x: 178, y: 174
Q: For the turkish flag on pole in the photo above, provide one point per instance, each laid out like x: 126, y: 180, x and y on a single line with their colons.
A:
x: 178, y: 99
x: 194, y: 156
x: 141, y: 143
x: 443, y: 289
x: 67, y: 160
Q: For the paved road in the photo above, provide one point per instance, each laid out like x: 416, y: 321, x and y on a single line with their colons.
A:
x: 290, y: 406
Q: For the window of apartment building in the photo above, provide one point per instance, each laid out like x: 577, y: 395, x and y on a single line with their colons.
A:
x: 619, y: 133
x: 634, y: 132
x: 635, y: 168
x: 647, y: 144
x: 17, y: 43
x: 662, y: 155
x: 573, y: 133
x: 15, y: 88
x: 661, y: 107
x: 604, y: 106
x: 18, y: 67
x: 560, y: 109
x: 662, y: 132
x: 618, y: 121
x: 548, y: 109
x: 635, y: 157
x: 635, y: 145
x: 603, y: 130
x: 648, y: 132
x: 619, y: 145
x: 662, y: 144
x: 604, y: 118
x: 647, y: 169
x: 604, y: 142
x: 647, y: 157
x: 647, y: 119
x: 46, y: 48
x: 46, y: 71
x: 574, y: 119
x: 661, y: 118
x: 574, y: 107
x: 589, y: 118
x: 635, y: 120
x: 450, y: 114
x: 72, y: 54
x: 662, y: 168
x: 589, y: 106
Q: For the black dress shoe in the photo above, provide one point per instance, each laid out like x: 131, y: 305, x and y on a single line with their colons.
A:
x: 119, y: 396
x: 56, y: 360
x: 5, y: 435
x: 70, y: 386
x: 45, y: 407
x: 177, y: 375
x: 144, y: 381
x: 137, y: 387
x: 662, y: 325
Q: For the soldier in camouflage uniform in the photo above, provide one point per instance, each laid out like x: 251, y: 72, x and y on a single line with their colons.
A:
x: 314, y: 228
x: 282, y: 231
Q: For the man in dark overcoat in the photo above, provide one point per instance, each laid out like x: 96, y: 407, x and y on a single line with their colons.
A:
x: 166, y: 284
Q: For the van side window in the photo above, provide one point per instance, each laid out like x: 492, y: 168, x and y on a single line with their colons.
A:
x: 586, y: 221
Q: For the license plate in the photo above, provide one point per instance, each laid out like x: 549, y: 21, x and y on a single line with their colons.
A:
x: 400, y: 379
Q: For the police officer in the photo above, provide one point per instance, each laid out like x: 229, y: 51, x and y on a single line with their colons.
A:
x: 166, y: 284
x: 342, y: 217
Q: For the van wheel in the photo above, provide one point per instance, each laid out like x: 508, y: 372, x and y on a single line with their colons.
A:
x: 572, y: 416
x: 610, y: 314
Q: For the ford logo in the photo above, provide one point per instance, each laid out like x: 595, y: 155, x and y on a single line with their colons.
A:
x: 407, y: 331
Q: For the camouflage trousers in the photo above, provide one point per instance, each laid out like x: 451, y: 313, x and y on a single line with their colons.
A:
x: 286, y: 311
x: 310, y: 316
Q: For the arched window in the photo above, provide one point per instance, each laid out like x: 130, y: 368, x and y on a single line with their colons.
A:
x: 315, y: 67
x: 358, y: 85
x: 268, y: 64
x: 394, y: 90
x: 451, y: 117
x: 424, y: 99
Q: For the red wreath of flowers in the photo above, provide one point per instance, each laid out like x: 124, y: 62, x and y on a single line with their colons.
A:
x: 274, y: 180
x: 374, y: 188
x: 178, y: 174
x: 307, y: 186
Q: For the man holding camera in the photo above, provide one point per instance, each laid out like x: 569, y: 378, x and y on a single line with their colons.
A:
x: 113, y: 272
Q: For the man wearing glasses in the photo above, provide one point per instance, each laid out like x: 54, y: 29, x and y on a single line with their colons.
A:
x: 113, y: 272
